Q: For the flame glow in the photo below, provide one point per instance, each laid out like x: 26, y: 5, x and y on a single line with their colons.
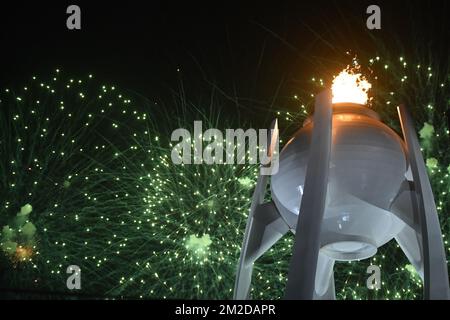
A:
x: 23, y: 253
x: 350, y: 87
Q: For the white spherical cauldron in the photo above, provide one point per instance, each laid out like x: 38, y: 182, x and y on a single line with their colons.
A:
x: 367, y: 166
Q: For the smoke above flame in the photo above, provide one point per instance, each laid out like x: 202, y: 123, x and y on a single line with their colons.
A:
x: 349, y: 86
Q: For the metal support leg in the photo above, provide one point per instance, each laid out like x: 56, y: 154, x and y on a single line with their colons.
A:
x: 302, y: 269
x: 410, y: 242
x: 434, y: 259
x: 264, y: 228
x: 324, y: 285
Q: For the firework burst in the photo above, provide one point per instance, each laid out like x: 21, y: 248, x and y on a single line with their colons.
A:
x: 87, y: 180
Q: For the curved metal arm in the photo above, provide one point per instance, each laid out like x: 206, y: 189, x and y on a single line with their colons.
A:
x: 264, y: 228
x: 434, y: 260
x: 302, y: 269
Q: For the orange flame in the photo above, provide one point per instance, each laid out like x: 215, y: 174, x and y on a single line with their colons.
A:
x: 350, y: 87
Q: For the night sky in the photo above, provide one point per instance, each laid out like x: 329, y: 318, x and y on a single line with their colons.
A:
x: 249, y: 50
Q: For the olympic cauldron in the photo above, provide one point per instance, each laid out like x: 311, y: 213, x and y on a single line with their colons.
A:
x: 367, y: 167
x: 346, y: 185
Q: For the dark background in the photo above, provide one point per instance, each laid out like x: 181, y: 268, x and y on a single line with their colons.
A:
x: 252, y: 50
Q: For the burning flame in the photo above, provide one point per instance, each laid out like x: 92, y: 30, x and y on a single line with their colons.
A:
x: 350, y: 87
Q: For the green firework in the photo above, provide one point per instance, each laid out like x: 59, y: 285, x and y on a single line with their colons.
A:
x: 87, y: 179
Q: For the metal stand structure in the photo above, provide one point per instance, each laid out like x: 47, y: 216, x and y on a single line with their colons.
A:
x: 426, y: 231
x: 311, y: 271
